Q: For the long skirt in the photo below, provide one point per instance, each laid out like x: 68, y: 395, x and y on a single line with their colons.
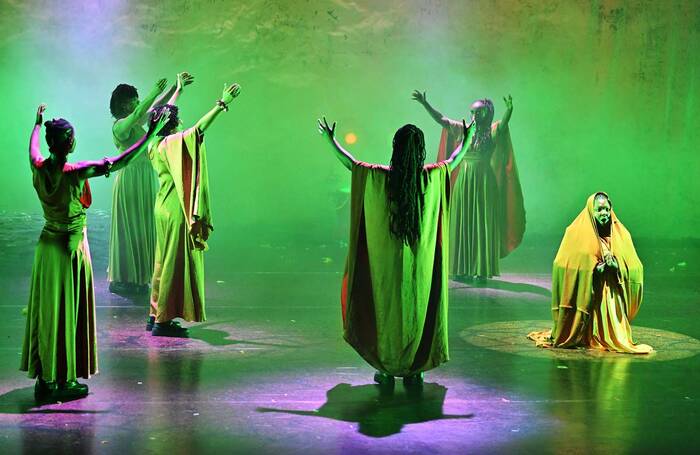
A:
x: 474, y: 222
x: 132, y: 235
x: 60, y: 341
x: 177, y: 288
x: 606, y: 328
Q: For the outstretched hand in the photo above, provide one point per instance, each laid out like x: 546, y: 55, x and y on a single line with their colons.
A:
x: 159, y: 86
x: 325, y: 129
x: 230, y: 92
x: 159, y: 121
x: 509, y: 102
x: 466, y: 128
x: 184, y: 79
x: 419, y: 96
x: 40, y: 114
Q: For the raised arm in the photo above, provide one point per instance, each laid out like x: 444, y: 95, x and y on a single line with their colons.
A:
x: 123, y: 127
x: 35, y: 158
x: 456, y: 157
x: 343, y: 155
x: 172, y: 95
x: 506, y: 115
x: 434, y: 113
x: 230, y: 92
x: 89, y: 169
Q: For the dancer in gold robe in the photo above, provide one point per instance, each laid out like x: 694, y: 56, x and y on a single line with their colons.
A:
x: 597, y: 282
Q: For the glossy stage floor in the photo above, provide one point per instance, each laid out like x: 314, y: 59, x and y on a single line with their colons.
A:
x: 270, y: 373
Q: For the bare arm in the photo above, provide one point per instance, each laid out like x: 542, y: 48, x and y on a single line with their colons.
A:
x: 35, y: 157
x: 456, y: 158
x: 230, y: 92
x: 506, y: 115
x: 434, y: 113
x: 89, y: 169
x: 175, y: 91
x: 123, y: 126
x: 343, y: 155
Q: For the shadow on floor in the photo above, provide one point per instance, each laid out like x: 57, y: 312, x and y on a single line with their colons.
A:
x: 21, y: 401
x: 218, y: 337
x: 504, y: 286
x: 378, y: 411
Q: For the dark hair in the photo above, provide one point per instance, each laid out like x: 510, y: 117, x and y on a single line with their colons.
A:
x: 404, y: 186
x: 489, y: 108
x: 173, y: 122
x: 59, y: 135
x: 120, y: 96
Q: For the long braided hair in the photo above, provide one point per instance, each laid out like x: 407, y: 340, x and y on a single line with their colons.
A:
x: 404, y: 184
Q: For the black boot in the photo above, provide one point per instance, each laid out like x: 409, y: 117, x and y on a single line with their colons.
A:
x: 69, y: 390
x: 170, y: 329
x: 43, y: 389
x: 415, y: 380
x: 384, y: 379
x: 150, y: 322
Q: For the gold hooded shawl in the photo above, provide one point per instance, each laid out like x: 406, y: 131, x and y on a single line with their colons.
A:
x: 577, y: 290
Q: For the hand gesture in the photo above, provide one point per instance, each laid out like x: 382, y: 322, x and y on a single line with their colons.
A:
x: 158, y: 121
x: 230, y: 92
x: 610, y: 261
x: 184, y: 79
x: 40, y: 114
x: 325, y: 129
x: 159, y: 86
x: 466, y: 128
x: 420, y: 97
x: 600, y: 267
x: 509, y: 102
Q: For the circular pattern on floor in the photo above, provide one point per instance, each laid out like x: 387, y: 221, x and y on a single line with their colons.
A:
x: 511, y: 337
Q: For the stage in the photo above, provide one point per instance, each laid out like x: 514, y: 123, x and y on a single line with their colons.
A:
x: 269, y: 371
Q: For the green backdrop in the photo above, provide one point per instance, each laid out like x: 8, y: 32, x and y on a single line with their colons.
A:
x: 605, y: 96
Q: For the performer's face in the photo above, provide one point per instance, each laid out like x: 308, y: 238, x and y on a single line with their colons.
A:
x: 479, y: 111
x: 601, y: 211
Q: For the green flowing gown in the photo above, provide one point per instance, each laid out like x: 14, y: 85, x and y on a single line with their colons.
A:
x: 132, y: 235
x: 60, y: 341
x: 488, y: 213
x: 475, y: 225
x: 183, y: 223
x: 394, y: 296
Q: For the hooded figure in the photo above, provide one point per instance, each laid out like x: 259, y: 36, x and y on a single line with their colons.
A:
x: 596, y: 284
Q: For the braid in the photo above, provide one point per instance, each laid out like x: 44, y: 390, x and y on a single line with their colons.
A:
x: 404, y: 186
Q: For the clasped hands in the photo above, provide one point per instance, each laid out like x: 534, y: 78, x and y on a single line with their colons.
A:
x: 608, y: 262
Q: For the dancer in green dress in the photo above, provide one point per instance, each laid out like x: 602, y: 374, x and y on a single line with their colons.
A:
x: 394, y: 292
x: 183, y: 221
x: 132, y: 233
x: 60, y: 341
x: 488, y: 215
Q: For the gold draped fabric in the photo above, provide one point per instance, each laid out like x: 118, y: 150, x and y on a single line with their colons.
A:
x: 591, y: 309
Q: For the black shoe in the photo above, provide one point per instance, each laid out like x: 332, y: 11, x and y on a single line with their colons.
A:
x: 383, y: 379
x: 70, y: 390
x: 142, y: 289
x: 413, y: 380
x: 123, y: 289
x: 149, y: 323
x: 43, y: 389
x: 169, y: 329
x: 480, y: 279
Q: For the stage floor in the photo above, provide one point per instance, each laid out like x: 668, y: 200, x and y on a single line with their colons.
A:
x: 269, y: 371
